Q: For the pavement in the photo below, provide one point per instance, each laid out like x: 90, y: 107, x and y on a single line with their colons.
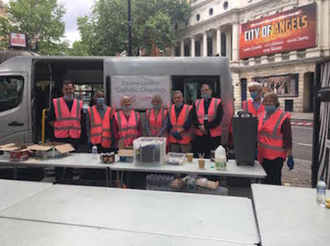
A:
x: 301, y: 116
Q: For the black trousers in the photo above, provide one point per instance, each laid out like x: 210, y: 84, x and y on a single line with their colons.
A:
x: 204, y: 144
x: 273, y: 168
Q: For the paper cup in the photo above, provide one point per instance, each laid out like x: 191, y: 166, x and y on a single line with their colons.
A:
x: 201, y: 163
x: 190, y: 157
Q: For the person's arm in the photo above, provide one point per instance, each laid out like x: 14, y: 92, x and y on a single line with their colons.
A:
x: 148, y: 126
x: 51, y: 115
x: 139, y: 128
x: 88, y: 127
x: 188, y: 122
x: 194, y: 117
x: 164, y: 126
x: 218, y: 117
x: 287, y: 135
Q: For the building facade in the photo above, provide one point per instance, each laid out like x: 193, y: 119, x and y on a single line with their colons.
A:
x: 274, y: 42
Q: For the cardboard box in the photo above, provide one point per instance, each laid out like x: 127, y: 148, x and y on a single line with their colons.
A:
x: 46, y: 150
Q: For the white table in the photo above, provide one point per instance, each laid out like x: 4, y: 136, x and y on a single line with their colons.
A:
x: 72, y: 160
x: 228, y: 219
x: 232, y: 170
x: 31, y: 233
x: 12, y: 191
x: 290, y: 216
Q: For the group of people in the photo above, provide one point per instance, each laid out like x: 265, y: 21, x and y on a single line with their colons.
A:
x: 187, y: 128
x: 274, y: 132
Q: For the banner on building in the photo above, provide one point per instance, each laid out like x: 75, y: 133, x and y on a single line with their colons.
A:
x: 282, y: 85
x: 290, y: 30
x: 140, y: 89
x: 17, y: 40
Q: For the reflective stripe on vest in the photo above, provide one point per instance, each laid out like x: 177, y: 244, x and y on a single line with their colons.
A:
x: 156, y: 124
x: 211, y: 112
x: 128, y: 130
x: 178, y: 122
x: 270, y: 137
x: 67, y: 123
x: 248, y: 107
x: 100, y: 128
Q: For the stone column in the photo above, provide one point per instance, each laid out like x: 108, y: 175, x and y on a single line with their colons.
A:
x: 218, y: 40
x: 235, y: 41
x: 228, y: 44
x: 204, y: 44
x: 182, y: 48
x: 192, y: 47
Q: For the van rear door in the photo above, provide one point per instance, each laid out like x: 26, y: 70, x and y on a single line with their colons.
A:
x: 14, y: 108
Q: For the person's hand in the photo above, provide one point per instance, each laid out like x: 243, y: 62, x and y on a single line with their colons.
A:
x: 202, y: 129
x: 177, y: 135
x: 290, y: 162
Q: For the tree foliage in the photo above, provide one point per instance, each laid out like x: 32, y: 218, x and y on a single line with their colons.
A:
x: 105, y: 32
x: 41, y: 20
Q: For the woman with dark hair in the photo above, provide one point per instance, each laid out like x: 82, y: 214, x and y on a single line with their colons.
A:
x: 275, y: 139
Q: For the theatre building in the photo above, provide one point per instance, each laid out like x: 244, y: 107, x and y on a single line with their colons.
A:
x: 276, y: 43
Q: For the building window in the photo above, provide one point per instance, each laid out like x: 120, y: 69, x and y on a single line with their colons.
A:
x: 197, y: 48
x: 209, y: 46
x: 257, y: 60
x: 285, y: 56
x: 225, y: 5
x: 198, y: 17
x: 301, y: 54
x: 186, y: 50
x: 211, y: 11
x: 177, y: 51
x: 271, y: 58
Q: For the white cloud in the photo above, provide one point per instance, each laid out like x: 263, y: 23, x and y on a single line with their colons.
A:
x: 74, y: 8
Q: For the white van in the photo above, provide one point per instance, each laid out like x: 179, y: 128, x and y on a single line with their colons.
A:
x: 27, y: 85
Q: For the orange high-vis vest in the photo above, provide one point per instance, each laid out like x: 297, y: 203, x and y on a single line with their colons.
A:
x: 156, y: 123
x: 100, y: 129
x: 270, y: 145
x: 211, y: 113
x: 248, y: 107
x: 128, y: 130
x: 178, y: 122
x: 67, y: 123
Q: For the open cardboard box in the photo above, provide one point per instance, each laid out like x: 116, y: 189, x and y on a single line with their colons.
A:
x: 47, y: 149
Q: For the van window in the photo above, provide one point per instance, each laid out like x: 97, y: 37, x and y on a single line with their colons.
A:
x: 11, y: 92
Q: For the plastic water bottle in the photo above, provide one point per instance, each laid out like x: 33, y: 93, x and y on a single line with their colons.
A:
x: 94, y: 153
x: 321, y: 192
x: 220, y: 158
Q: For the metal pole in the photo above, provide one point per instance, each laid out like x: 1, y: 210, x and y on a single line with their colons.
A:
x: 129, y: 28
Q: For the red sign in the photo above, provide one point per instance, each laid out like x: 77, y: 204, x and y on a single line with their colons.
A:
x: 17, y: 40
x: 290, y: 30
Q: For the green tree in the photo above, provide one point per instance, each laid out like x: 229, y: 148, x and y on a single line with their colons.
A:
x: 41, y: 20
x: 106, y: 31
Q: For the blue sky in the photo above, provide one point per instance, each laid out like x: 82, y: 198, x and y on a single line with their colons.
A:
x: 74, y: 8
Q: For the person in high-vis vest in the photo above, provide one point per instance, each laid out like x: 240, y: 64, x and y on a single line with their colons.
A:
x: 67, y: 117
x: 179, y: 125
x: 275, y: 139
x: 207, y: 116
x: 127, y: 124
x: 98, y: 124
x: 156, y: 122
x: 254, y: 105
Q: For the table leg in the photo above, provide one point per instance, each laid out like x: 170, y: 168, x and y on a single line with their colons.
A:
x: 107, y: 177
x: 117, y: 179
x: 15, y: 172
x: 110, y: 175
x: 121, y: 179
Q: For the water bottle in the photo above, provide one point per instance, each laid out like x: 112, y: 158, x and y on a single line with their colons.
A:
x: 94, y: 153
x: 220, y: 158
x: 320, y: 192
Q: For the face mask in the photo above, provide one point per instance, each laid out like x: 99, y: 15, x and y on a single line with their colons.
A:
x: 270, y: 109
x: 206, y: 95
x: 156, y: 106
x: 126, y: 107
x: 254, y: 94
x: 178, y: 105
x: 68, y: 98
x: 100, y: 100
